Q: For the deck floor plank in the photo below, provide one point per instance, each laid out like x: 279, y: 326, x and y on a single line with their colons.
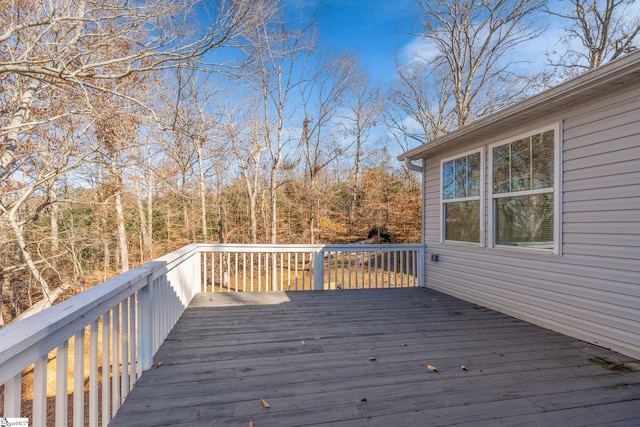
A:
x: 350, y: 358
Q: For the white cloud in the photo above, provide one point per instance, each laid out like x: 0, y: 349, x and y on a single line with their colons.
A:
x: 419, y: 50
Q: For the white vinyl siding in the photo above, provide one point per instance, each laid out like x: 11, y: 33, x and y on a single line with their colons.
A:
x: 591, y: 290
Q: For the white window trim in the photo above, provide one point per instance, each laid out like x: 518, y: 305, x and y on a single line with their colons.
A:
x: 480, y: 197
x: 557, y: 189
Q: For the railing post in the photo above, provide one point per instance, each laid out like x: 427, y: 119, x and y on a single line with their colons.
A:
x: 146, y: 335
x: 318, y: 271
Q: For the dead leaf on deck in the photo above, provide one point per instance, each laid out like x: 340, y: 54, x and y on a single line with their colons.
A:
x: 303, y: 343
x: 250, y: 423
x: 497, y: 353
x: 404, y: 345
x: 316, y: 338
x: 464, y: 368
x: 372, y: 359
x: 157, y: 365
x: 432, y: 368
x: 265, y: 403
x: 364, y: 399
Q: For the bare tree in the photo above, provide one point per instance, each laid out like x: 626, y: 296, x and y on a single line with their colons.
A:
x: 364, y: 107
x: 243, y: 130
x: 278, y: 51
x: 56, y: 56
x: 193, y: 121
x: 419, y: 108
x: 466, y: 70
x: 321, y: 97
x: 598, y: 31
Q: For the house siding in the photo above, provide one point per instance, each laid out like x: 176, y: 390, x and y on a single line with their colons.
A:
x: 591, y: 290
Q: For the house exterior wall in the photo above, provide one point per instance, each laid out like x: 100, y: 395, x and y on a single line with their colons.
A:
x: 591, y: 289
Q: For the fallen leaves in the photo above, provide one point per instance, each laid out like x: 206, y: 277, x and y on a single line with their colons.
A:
x: 157, y: 365
x: 464, y: 367
x: 303, y: 343
x: 372, y: 359
x: 265, y: 403
x: 250, y: 423
x: 432, y: 368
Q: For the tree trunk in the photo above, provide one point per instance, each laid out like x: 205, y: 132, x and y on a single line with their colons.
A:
x: 48, y: 297
x: 123, y: 244
x: 55, y: 238
x: 203, y: 200
x: 18, y: 118
x: 144, y: 227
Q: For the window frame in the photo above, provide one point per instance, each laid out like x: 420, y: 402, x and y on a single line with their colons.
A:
x: 480, y: 197
x: 556, y: 190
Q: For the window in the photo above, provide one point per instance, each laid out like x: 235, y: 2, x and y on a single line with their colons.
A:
x: 461, y: 184
x: 523, y: 191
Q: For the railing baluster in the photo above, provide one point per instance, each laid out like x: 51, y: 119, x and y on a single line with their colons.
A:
x: 236, y: 270
x: 329, y: 256
x: 78, y: 379
x: 362, y: 259
x: 125, y: 348
x: 203, y: 285
x: 288, y: 270
x: 214, y: 274
x: 12, y: 396
x: 62, y: 372
x: 115, y: 357
x: 93, y: 374
x: 281, y: 271
x: 401, y: 255
x: 342, y: 267
x: 227, y: 274
x: 132, y: 342
x: 304, y: 262
x: 296, y: 270
x: 252, y: 270
x: 375, y: 269
x: 221, y: 268
x: 390, y: 269
x: 244, y: 272
x: 39, y: 392
x: 106, y: 368
x: 367, y: 269
x: 337, y: 257
x: 259, y: 272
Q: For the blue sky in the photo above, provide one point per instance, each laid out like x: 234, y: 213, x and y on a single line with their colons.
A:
x: 372, y: 29
x: 375, y: 30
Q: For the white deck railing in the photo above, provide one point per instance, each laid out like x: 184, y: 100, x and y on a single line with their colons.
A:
x: 257, y: 268
x: 121, y: 323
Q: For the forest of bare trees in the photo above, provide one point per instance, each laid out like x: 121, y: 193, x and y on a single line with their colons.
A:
x: 131, y: 129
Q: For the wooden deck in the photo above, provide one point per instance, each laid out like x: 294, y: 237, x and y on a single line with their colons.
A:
x: 359, y: 358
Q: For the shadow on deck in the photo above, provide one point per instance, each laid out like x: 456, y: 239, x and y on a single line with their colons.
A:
x: 359, y: 358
